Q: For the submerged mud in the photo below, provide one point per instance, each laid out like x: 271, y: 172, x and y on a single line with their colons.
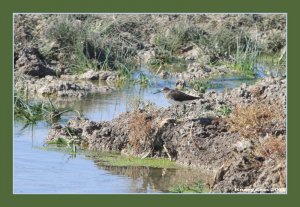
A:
x: 199, y: 135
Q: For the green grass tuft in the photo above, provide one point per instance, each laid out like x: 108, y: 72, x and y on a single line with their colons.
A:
x: 114, y: 159
x: 224, y: 111
x: 198, y: 187
x: 121, y: 160
x: 60, y: 141
x: 32, y: 112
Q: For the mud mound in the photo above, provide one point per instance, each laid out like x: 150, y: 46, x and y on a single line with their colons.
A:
x: 31, y: 63
x: 196, y: 135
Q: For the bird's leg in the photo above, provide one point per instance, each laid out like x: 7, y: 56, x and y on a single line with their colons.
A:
x: 184, y: 108
x: 176, y: 115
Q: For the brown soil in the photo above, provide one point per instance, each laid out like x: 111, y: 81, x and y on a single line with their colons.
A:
x: 196, y: 135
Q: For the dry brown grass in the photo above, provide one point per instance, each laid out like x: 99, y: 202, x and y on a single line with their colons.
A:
x: 257, y: 120
x: 140, y: 125
x: 274, y: 147
x: 264, y: 123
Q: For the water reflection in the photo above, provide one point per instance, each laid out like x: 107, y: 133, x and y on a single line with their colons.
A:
x: 105, y: 107
x: 99, y: 107
x: 157, y: 179
x: 36, y: 170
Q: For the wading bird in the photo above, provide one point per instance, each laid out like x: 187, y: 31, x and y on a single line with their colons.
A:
x: 176, y: 95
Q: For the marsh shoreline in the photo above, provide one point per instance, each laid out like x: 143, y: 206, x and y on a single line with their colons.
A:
x: 238, y: 135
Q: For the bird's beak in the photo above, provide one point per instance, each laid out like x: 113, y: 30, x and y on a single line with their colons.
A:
x: 157, y: 92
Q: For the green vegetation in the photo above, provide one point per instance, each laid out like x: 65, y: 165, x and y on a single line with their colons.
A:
x: 121, y: 160
x: 86, y: 43
x: 168, y: 43
x: 228, y: 43
x: 31, y: 112
x: 143, y: 80
x: 202, y: 85
x: 80, y: 42
x: 111, y: 158
x: 198, y: 187
x: 246, y: 56
x: 224, y: 110
x: 125, y: 77
x: 60, y: 141
x: 199, y: 85
x: 63, y: 142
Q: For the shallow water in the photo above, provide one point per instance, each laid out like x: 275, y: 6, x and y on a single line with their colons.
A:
x: 40, y: 171
x: 220, y: 84
x: 99, y: 107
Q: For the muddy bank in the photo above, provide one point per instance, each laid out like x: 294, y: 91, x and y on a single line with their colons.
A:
x: 33, y: 75
x: 109, y: 46
x: 241, y: 151
x: 198, y: 71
